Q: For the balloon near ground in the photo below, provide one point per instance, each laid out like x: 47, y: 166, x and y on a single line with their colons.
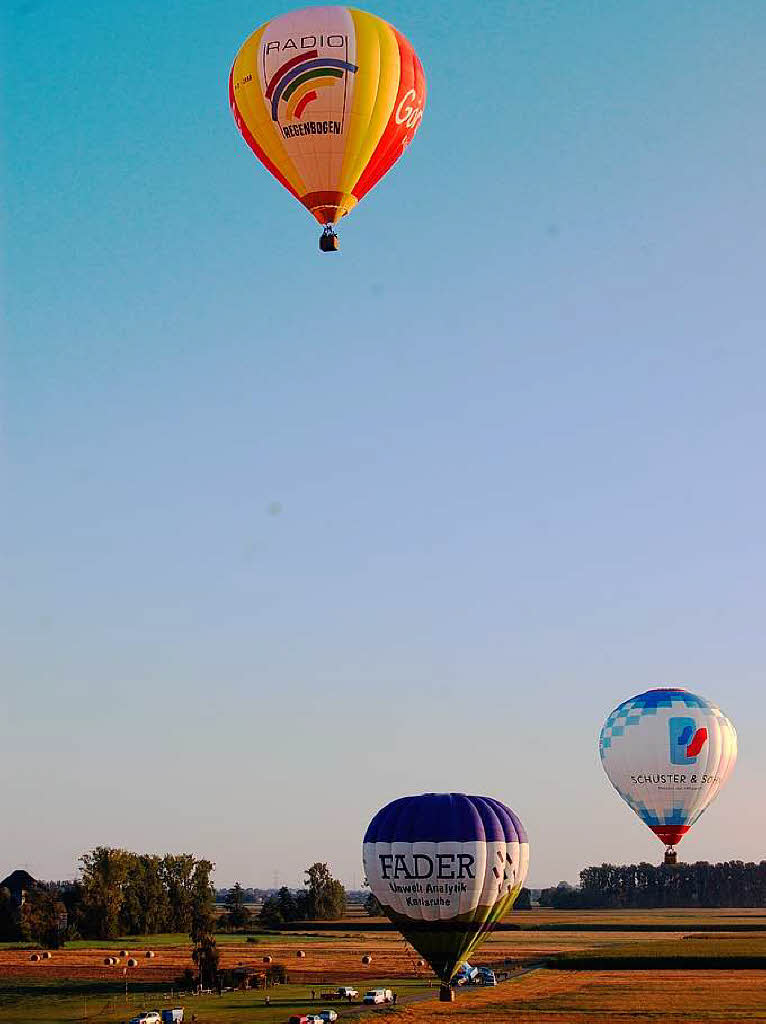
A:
x: 668, y: 753
x: 328, y: 99
x: 445, y: 867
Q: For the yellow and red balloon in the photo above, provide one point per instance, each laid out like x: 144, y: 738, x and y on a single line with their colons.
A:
x: 328, y: 99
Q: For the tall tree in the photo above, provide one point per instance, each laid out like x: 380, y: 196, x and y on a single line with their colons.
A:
x: 238, y: 916
x: 205, y: 951
x: 325, y: 895
x: 178, y: 878
x: 104, y: 871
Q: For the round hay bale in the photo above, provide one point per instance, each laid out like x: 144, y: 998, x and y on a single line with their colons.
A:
x: 150, y: 955
x: 124, y: 952
x: 108, y: 961
x: 132, y: 962
x: 47, y: 955
x: 420, y: 963
x: 35, y: 957
x: 115, y: 961
x: 267, y: 959
x: 366, y: 959
x: 300, y: 954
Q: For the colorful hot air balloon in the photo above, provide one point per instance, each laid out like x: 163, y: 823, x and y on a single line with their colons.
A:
x: 445, y: 867
x: 327, y: 98
x: 668, y: 752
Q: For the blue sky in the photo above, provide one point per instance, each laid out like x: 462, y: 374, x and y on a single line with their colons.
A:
x: 286, y: 535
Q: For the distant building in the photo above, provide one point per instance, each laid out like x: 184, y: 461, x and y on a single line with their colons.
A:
x: 19, y: 883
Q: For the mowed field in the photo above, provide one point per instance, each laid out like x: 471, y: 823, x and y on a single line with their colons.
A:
x: 75, y: 981
x: 328, y: 957
x: 607, y: 997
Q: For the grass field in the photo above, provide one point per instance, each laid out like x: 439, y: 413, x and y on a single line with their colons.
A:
x: 109, y: 1007
x: 614, y: 971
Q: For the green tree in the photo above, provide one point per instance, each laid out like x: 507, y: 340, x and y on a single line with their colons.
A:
x: 325, y: 895
x: 271, y: 914
x: 238, y: 916
x: 177, y: 872
x: 146, y: 905
x: 104, y: 872
x: 205, y: 952
x: 278, y: 908
x: 41, y: 916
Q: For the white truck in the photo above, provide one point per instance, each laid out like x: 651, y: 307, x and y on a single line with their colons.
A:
x: 341, y: 992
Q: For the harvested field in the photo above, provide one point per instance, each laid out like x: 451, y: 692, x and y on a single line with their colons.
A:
x: 338, y: 956
x: 333, y: 959
x: 606, y: 997
x: 328, y: 958
x: 52, y: 991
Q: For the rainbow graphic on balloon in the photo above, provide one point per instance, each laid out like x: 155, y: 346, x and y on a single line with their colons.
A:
x: 297, y: 81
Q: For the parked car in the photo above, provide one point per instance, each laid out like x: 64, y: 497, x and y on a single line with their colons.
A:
x: 174, y: 1016
x: 298, y: 1018
x: 328, y: 1015
x: 486, y: 976
x: 147, y: 1017
x: 342, y: 992
x: 378, y: 995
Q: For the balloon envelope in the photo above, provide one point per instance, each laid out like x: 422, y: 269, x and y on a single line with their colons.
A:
x: 327, y: 98
x: 668, y: 752
x: 445, y: 867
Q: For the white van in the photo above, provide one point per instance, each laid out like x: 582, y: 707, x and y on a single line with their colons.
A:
x: 378, y: 995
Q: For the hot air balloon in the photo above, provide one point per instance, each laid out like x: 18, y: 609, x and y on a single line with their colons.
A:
x: 328, y: 99
x: 668, y: 752
x: 445, y: 867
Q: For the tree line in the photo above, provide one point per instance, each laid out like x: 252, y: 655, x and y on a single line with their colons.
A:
x: 124, y: 893
x: 118, y: 893
x: 728, y: 884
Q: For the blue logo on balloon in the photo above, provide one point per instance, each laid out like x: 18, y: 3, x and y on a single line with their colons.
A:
x: 686, y: 740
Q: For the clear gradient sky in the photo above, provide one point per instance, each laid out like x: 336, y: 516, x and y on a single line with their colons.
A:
x: 287, y: 535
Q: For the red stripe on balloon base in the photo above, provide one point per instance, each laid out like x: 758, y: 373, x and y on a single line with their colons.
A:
x: 671, y: 835
x: 324, y: 205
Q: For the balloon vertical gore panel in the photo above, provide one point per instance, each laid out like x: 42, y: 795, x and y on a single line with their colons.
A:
x: 668, y: 752
x: 445, y: 867
x: 328, y: 99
